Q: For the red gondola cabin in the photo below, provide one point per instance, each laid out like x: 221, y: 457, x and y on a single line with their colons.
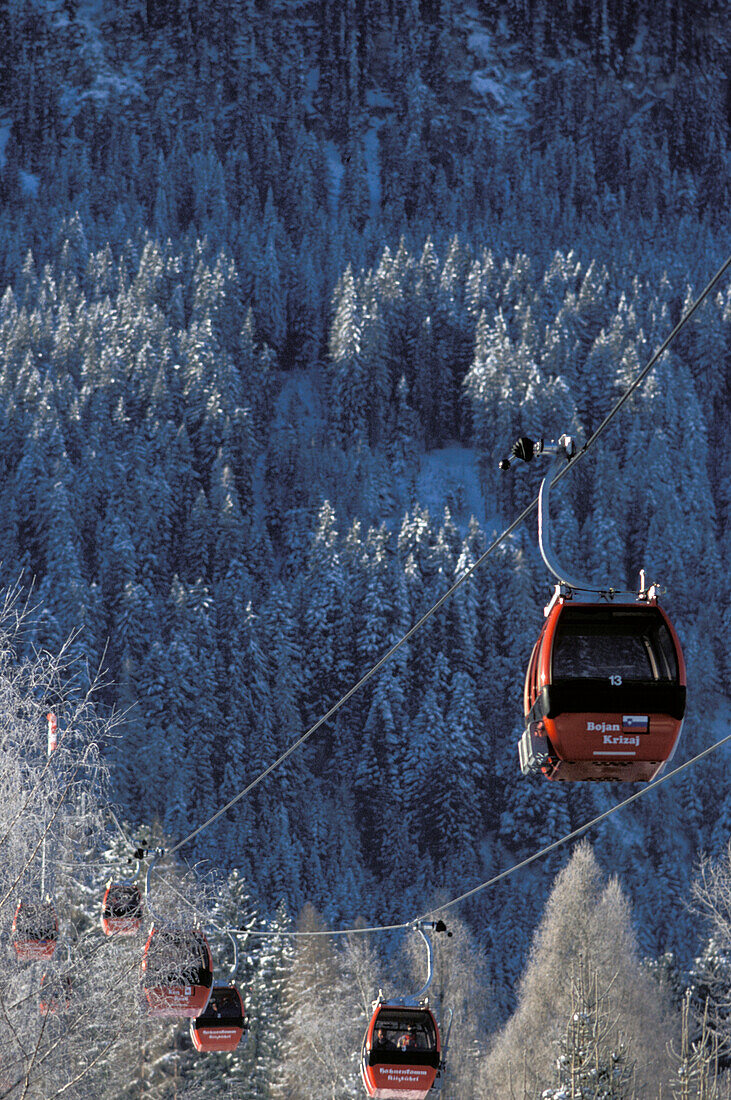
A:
x: 221, y: 1025
x: 55, y: 994
x: 401, y: 1053
x: 604, y: 694
x: 121, y: 909
x: 35, y: 930
x: 177, y: 972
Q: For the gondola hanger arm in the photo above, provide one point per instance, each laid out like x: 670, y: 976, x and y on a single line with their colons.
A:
x: 563, y: 450
x: 419, y: 926
x: 159, y: 921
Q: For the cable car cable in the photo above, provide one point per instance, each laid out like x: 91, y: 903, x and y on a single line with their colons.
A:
x: 578, y: 831
x: 268, y: 934
x: 465, y: 575
x: 645, y: 370
x: 120, y: 830
x: 573, y: 835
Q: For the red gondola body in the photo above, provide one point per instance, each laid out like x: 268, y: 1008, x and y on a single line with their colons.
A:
x: 55, y: 994
x: 121, y: 909
x: 604, y: 693
x: 401, y: 1053
x: 35, y: 930
x: 177, y: 972
x: 221, y: 1025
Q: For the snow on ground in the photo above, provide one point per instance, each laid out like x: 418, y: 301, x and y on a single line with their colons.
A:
x: 123, y: 82
x: 380, y: 106
x: 6, y: 125
x: 312, y: 80
x: 336, y: 171
x: 298, y: 392
x: 484, y: 85
x: 449, y: 475
x: 373, y: 170
x: 379, y: 100
x: 497, y: 77
x: 29, y: 184
x: 480, y: 43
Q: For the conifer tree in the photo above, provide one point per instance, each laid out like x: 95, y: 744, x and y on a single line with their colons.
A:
x: 592, y: 1061
x: 316, y: 1059
x: 348, y: 371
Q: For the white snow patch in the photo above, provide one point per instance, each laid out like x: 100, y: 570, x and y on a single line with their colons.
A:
x: 119, y: 80
x: 336, y: 171
x: 6, y: 126
x: 497, y: 75
x: 480, y: 42
x: 373, y: 171
x: 485, y: 85
x: 298, y: 394
x: 311, y: 84
x: 377, y: 99
x: 449, y: 475
x: 29, y: 184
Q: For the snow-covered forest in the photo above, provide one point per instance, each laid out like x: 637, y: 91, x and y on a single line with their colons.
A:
x: 280, y: 282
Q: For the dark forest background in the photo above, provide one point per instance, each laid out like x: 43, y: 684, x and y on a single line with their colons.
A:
x: 280, y: 282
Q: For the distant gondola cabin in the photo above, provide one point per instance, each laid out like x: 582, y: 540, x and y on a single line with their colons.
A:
x: 222, y: 1024
x: 35, y: 930
x: 56, y: 990
x: 401, y: 1053
x: 604, y: 694
x: 177, y: 972
x: 121, y: 909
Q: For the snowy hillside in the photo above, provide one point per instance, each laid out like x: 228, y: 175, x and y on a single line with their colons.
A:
x: 280, y: 283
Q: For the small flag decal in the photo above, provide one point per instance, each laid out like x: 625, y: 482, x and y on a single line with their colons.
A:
x: 635, y: 723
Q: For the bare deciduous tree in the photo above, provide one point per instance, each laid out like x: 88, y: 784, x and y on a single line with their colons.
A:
x: 326, y: 1007
x: 710, y: 1003
x: 460, y: 994
x: 72, y: 1025
x: 696, y: 1075
x: 588, y: 919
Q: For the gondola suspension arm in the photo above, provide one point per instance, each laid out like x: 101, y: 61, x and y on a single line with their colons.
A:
x: 235, y: 966
x: 563, y: 449
x: 419, y: 926
x: 148, y: 877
